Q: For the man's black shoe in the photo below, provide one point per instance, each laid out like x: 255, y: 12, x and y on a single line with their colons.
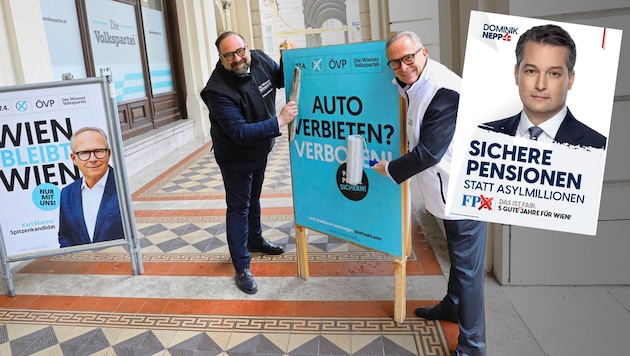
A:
x: 245, y: 281
x: 445, y: 310
x: 266, y: 247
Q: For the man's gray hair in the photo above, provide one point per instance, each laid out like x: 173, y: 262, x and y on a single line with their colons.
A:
x: 87, y: 128
x: 412, y: 35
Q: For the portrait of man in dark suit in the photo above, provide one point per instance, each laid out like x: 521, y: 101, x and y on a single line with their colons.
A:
x: 89, y: 210
x: 545, y: 58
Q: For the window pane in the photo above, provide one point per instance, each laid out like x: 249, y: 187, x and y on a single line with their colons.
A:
x: 157, y: 48
x: 114, y: 37
x: 268, y: 39
x: 64, y: 39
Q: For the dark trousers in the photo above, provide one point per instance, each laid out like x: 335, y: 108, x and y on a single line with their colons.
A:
x: 243, y: 182
x: 466, y: 248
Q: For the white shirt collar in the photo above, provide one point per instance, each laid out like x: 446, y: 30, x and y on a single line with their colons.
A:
x: 101, y: 182
x: 550, y: 127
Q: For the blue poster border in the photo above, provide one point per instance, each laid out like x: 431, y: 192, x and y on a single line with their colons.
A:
x: 345, y: 90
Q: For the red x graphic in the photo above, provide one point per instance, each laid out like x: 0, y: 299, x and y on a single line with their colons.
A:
x: 486, y: 203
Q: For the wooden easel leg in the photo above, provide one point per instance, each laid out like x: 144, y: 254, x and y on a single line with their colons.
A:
x: 301, y: 251
x: 400, y: 281
x: 400, y: 265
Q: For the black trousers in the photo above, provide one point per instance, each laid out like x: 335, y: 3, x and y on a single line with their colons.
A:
x: 466, y: 248
x: 243, y: 182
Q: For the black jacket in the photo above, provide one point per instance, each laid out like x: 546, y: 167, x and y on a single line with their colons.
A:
x: 242, y: 109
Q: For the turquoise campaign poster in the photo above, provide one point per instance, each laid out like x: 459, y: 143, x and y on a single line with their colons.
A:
x: 346, y: 90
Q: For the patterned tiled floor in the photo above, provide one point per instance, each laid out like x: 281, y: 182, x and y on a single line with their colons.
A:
x: 180, y: 244
x: 199, y: 177
x: 89, y: 333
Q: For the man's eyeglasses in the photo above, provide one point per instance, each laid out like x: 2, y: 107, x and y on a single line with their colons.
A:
x: 408, y: 59
x: 230, y: 55
x: 99, y: 153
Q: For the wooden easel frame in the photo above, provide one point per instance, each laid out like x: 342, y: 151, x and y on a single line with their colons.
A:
x: 400, y: 264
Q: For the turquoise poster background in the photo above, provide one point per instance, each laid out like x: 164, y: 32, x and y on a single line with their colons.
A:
x: 346, y: 90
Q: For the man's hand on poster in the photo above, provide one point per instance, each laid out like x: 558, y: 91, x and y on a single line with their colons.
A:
x: 288, y: 113
x: 287, y: 44
x: 380, y: 167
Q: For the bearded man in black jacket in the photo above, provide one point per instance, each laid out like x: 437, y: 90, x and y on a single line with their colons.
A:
x: 241, y: 98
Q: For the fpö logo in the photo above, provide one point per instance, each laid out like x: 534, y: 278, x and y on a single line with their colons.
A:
x: 498, y: 32
x: 477, y: 201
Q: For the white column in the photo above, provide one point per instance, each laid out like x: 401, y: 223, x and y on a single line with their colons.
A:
x: 226, y: 10
x: 198, y: 31
x: 242, y: 20
x: 25, y: 43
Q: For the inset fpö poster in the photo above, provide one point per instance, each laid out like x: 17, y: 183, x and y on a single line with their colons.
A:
x: 533, y: 123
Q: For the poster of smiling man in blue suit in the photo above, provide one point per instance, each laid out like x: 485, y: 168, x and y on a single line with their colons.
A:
x: 88, y: 208
x: 533, y: 123
x: 56, y: 183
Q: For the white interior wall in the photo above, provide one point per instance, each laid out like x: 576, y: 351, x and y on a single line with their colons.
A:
x: 421, y: 17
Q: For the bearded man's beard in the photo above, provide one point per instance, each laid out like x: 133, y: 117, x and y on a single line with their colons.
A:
x: 240, y: 68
